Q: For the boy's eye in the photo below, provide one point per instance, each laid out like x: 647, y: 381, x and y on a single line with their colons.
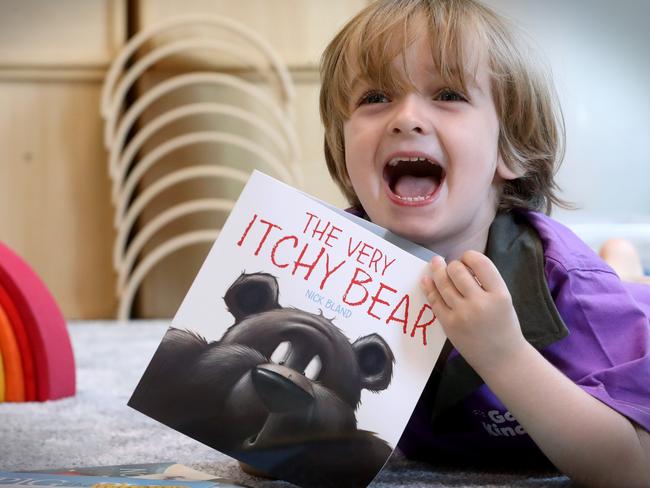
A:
x: 449, y: 95
x: 373, y: 97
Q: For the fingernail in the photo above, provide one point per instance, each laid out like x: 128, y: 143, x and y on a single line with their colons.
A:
x: 436, y: 260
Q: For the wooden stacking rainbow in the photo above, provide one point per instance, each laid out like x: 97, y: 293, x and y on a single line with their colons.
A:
x: 36, y: 359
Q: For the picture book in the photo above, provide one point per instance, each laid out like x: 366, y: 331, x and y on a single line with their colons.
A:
x: 302, y: 345
x: 25, y: 479
x: 150, y: 471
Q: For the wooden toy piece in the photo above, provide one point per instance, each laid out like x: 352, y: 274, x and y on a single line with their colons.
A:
x: 155, y: 256
x: 151, y: 96
x: 137, y: 41
x: 2, y: 380
x: 26, y: 356
x: 257, y: 154
x: 120, y: 161
x: 136, y: 246
x: 148, y: 60
x: 45, y: 326
x: 277, y: 149
x: 14, y: 382
x: 157, y: 187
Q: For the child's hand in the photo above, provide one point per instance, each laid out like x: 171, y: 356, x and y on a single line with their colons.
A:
x: 475, y: 309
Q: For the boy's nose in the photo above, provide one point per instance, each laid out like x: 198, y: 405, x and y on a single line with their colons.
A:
x: 409, y: 119
x: 406, y: 128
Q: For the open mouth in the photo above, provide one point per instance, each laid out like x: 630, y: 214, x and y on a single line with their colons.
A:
x: 413, y: 180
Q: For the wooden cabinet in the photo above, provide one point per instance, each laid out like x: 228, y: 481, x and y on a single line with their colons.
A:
x: 54, y: 190
x: 65, y: 34
x: 297, y: 29
x: 55, y: 205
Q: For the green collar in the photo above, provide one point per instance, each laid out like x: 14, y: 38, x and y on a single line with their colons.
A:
x: 516, y: 250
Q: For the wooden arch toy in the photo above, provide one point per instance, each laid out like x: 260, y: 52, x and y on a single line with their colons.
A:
x: 160, y: 186
x: 158, y: 254
x: 14, y: 383
x: 2, y: 379
x: 186, y: 80
x: 24, y: 345
x: 281, y: 143
x: 247, y: 35
x: 132, y: 280
x: 132, y: 152
x: 38, y: 361
x: 152, y: 58
x: 256, y: 151
x: 136, y: 246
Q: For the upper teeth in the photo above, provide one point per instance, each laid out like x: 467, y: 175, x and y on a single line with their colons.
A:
x: 396, y: 161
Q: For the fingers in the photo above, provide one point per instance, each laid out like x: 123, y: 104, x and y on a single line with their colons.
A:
x: 450, y: 283
x: 463, y: 279
x: 433, y: 296
x: 484, y: 269
x: 454, y: 280
x: 443, y: 284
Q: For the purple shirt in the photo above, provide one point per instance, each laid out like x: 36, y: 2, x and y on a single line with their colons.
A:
x: 606, y: 352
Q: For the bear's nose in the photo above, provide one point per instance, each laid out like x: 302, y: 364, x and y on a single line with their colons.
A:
x: 281, y: 389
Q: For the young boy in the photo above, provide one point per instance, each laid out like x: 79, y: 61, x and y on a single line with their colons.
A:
x: 439, y: 128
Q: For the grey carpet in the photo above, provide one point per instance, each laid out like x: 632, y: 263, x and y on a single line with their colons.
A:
x: 97, y: 428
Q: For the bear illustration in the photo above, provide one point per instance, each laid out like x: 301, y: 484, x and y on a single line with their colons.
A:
x: 278, y: 391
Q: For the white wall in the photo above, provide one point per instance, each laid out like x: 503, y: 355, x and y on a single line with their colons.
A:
x: 598, y: 50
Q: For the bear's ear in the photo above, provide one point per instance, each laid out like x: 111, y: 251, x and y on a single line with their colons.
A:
x: 375, y: 361
x: 251, y: 294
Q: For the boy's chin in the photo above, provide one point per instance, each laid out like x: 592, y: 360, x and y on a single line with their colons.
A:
x: 412, y: 233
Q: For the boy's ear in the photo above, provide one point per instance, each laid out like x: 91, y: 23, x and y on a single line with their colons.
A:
x: 506, y: 173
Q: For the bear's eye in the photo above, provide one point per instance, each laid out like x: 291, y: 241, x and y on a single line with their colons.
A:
x: 313, y: 368
x: 281, y: 353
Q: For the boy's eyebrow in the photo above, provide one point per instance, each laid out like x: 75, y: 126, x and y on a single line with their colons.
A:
x: 357, y: 87
x: 470, y: 82
x: 353, y: 86
x: 356, y: 83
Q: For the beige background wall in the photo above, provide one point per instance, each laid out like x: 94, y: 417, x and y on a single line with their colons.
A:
x: 55, y: 206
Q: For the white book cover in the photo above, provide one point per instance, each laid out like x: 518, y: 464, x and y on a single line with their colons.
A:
x: 302, y: 346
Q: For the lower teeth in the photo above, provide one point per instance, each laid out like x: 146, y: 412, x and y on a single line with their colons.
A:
x: 413, y: 199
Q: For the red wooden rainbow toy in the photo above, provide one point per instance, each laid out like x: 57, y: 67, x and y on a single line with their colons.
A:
x: 35, y: 349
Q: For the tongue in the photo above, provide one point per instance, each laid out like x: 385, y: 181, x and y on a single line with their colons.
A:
x: 415, y: 186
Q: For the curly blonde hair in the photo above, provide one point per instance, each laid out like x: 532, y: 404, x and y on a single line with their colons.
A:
x: 531, y: 135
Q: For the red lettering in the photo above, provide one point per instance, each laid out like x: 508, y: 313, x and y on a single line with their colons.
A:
x: 350, y: 250
x: 311, y: 216
x: 363, y: 252
x: 266, y: 234
x: 375, y: 299
x: 355, y: 281
x: 423, y: 326
x: 310, y: 266
x: 329, y: 272
x: 393, y: 315
x: 275, y: 249
x: 387, y: 264
x: 250, y: 224
x: 376, y: 256
x: 319, y: 232
x: 332, y: 236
